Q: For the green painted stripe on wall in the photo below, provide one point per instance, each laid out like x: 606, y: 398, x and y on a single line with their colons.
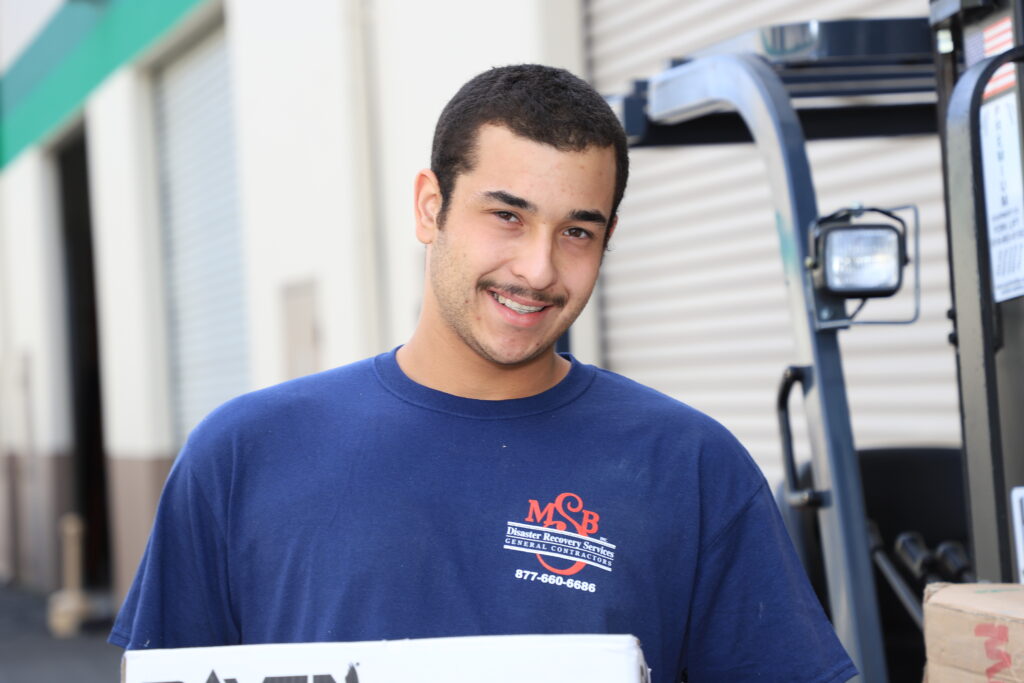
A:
x: 119, y: 32
x: 66, y: 29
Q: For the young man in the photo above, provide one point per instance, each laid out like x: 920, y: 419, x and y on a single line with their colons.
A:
x: 474, y: 481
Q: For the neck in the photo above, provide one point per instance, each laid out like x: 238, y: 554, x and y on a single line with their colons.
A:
x: 450, y: 366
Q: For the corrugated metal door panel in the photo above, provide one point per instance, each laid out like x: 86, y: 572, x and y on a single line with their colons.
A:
x: 693, y: 299
x: 201, y: 225
x: 635, y: 38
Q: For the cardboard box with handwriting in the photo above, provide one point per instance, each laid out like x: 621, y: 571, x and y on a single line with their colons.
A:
x: 974, y: 632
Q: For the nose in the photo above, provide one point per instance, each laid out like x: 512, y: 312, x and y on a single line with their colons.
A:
x: 534, y: 262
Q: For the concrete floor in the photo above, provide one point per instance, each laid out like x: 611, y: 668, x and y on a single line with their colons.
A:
x: 28, y: 654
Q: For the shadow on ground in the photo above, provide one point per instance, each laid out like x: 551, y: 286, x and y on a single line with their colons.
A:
x: 28, y: 654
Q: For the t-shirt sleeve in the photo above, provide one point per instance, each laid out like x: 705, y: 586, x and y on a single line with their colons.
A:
x: 180, y: 595
x: 754, y: 615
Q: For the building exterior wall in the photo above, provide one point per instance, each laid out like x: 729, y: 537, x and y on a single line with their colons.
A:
x: 35, y: 430
x: 68, y: 54
x: 132, y: 315
x: 334, y: 106
x: 306, y: 198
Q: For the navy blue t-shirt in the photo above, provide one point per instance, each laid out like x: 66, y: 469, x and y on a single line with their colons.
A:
x: 357, y: 505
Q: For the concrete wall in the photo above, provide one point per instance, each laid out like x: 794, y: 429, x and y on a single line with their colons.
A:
x: 306, y: 197
x: 131, y: 312
x: 35, y: 431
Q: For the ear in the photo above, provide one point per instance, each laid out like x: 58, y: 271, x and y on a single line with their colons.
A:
x: 427, y: 195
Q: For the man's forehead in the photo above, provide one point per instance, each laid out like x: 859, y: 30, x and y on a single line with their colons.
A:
x: 506, y: 157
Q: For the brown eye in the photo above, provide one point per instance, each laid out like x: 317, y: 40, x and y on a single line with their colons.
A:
x: 578, y: 233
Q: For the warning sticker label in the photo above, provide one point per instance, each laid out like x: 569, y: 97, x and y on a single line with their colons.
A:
x: 1004, y: 195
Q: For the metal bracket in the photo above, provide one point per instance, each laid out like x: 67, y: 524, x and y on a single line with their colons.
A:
x: 796, y: 497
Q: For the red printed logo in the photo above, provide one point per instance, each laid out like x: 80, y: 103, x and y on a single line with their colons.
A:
x: 560, y: 534
x: 996, y: 637
x: 564, y: 506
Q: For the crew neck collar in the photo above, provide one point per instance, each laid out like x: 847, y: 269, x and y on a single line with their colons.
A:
x: 397, y: 382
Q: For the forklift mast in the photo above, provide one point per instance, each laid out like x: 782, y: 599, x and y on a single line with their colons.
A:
x: 979, y: 99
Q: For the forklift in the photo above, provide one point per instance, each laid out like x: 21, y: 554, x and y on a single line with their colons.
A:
x: 873, y: 527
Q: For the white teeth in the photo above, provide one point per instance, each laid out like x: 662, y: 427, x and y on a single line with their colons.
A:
x: 518, y: 308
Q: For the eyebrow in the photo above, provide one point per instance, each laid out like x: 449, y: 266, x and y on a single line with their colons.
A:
x: 588, y: 216
x: 584, y: 215
x: 511, y: 200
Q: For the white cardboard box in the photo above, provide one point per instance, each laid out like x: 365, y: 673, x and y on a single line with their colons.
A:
x: 501, y: 659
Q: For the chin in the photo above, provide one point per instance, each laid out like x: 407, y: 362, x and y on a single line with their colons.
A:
x: 515, y: 357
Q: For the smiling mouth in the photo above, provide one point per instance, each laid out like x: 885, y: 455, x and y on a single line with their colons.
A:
x: 517, y: 307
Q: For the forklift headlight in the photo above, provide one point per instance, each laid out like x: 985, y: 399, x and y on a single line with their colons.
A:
x: 857, y: 260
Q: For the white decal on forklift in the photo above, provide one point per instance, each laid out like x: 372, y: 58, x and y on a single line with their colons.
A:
x: 1004, y: 195
x: 1017, y: 503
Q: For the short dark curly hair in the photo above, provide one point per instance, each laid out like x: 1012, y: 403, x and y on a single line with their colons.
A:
x: 540, y: 103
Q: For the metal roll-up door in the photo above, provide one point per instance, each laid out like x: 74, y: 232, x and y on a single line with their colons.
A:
x: 201, y: 229
x: 693, y: 300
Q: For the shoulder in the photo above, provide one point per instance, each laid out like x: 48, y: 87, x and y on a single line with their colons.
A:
x: 631, y: 400
x: 342, y: 383
x: 692, y: 444
x: 329, y: 386
x: 291, y: 406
